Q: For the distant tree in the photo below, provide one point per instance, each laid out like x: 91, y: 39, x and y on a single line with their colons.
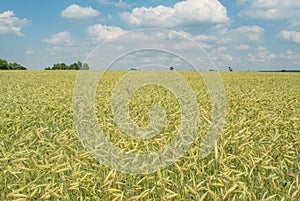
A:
x: 171, y: 68
x: 77, y: 67
x: 230, y: 69
x: 74, y: 66
x: 85, y: 66
x: 4, y: 65
x: 60, y: 66
x: 79, y: 63
x: 15, y: 66
x: 55, y: 67
x: 64, y: 66
x: 82, y: 66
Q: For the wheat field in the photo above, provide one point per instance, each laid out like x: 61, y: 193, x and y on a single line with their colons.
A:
x: 256, y: 158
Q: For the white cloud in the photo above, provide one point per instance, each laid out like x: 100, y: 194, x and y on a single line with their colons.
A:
x: 61, y: 38
x: 242, y: 34
x: 220, y: 55
x: 289, y: 55
x: 99, y: 32
x: 289, y: 52
x: 221, y: 49
x: 60, y: 50
x: 272, y: 9
x: 242, y: 47
x: 184, y: 13
x: 224, y: 40
x: 76, y: 12
x: 121, y: 4
x: 295, y: 24
x: 118, y: 4
x: 203, y: 37
x: 182, y: 43
x: 10, y: 24
x: 292, y: 36
x: 262, y: 55
x: 205, y: 46
x: 253, y: 33
x: 243, y: 1
x: 29, y: 52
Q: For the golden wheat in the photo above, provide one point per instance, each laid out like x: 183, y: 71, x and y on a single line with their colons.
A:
x: 257, y: 157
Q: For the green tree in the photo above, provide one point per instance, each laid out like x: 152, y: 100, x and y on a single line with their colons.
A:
x: 79, y: 63
x: 64, y: 66
x: 74, y: 66
x: 55, y: 67
x: 60, y: 66
x: 82, y: 66
x: 15, y: 66
x: 3, y: 64
x: 85, y: 66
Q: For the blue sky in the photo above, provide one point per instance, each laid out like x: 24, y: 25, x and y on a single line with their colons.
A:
x: 244, y: 34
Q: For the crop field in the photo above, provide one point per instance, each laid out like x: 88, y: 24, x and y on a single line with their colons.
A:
x: 256, y: 158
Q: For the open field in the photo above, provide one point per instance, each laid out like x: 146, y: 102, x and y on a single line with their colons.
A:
x: 257, y: 157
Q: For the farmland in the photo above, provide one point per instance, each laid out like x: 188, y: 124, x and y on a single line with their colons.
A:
x: 256, y: 158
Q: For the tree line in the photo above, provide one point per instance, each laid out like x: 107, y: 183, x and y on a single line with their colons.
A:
x: 4, y: 65
x: 75, y: 66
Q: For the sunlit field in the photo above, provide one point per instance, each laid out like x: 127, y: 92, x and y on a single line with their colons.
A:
x: 256, y: 158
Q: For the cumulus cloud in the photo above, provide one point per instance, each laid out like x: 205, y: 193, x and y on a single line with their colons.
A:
x: 240, y: 2
x: 289, y: 52
x: 292, y: 36
x: 291, y: 56
x: 242, y: 47
x: 10, y: 24
x: 184, y: 13
x: 242, y: 34
x: 262, y: 55
x: 220, y: 55
x: 203, y: 37
x: 118, y: 4
x: 61, y: 38
x: 181, y: 38
x: 100, y: 32
x: 272, y: 9
x: 295, y: 24
x: 253, y: 33
x: 29, y: 52
x: 76, y: 12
